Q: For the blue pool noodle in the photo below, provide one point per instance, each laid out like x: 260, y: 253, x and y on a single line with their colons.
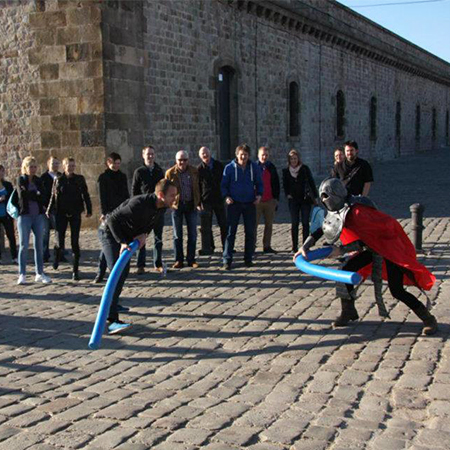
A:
x: 108, y: 293
x: 340, y: 276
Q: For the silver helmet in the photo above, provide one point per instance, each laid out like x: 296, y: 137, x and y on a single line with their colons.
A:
x: 333, y: 194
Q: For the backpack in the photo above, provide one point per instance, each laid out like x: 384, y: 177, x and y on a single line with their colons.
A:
x: 12, y: 208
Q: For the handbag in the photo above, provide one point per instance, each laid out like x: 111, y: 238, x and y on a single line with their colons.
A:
x: 308, y: 195
x: 12, y: 207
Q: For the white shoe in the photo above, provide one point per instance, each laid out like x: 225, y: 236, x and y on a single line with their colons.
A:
x: 42, y: 278
x: 22, y: 279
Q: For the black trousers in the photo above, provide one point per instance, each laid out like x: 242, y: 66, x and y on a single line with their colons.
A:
x: 62, y: 221
x: 8, y: 225
x: 206, y: 222
x: 111, y: 251
x: 395, y: 279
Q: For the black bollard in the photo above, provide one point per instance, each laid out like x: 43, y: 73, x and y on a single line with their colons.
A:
x: 417, y: 224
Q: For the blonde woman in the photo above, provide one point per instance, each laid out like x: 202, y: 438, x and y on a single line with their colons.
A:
x: 31, y: 219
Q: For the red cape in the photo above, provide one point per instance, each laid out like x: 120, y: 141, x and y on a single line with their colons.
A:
x: 385, y: 236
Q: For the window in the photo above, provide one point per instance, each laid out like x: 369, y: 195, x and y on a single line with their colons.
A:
x: 373, y: 118
x: 294, y: 109
x: 418, y: 122
x: 340, y: 114
x: 398, y: 120
x: 433, y: 124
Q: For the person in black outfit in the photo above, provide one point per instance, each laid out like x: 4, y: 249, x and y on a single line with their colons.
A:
x: 145, y: 179
x: 354, y: 172
x: 113, y: 190
x: 210, y: 172
x: 47, y: 180
x: 6, y: 189
x: 69, y: 197
x: 133, y: 219
x: 301, y: 191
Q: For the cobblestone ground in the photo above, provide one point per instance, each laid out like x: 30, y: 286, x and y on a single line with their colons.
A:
x: 245, y: 359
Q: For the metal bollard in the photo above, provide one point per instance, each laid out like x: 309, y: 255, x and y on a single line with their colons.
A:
x: 417, y: 224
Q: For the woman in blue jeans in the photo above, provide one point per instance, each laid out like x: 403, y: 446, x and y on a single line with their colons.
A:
x: 301, y: 191
x: 31, y: 219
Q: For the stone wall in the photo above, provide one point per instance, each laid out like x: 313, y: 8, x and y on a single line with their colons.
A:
x: 85, y: 78
x: 270, y: 44
x: 18, y: 109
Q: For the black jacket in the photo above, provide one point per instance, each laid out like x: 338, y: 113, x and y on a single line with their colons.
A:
x: 25, y: 195
x: 112, y: 189
x: 144, y: 181
x: 69, y: 195
x: 274, y: 179
x: 133, y: 217
x: 296, y: 186
x: 209, y: 180
x: 47, y: 185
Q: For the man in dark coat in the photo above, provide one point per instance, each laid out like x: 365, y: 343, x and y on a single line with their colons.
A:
x: 145, y: 179
x: 210, y: 172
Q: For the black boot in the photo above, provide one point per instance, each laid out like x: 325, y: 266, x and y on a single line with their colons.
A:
x: 348, y: 313
x: 430, y: 325
x: 57, y: 258
x: 76, y: 263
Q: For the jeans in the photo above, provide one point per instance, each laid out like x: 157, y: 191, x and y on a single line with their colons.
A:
x: 191, y: 221
x: 102, y: 265
x: 267, y: 210
x: 206, y: 218
x: 111, y: 250
x: 8, y: 225
x: 26, y: 224
x: 234, y: 212
x: 49, y: 224
x: 296, y: 209
x: 157, y: 246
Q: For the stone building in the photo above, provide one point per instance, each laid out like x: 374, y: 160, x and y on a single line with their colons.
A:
x: 87, y: 77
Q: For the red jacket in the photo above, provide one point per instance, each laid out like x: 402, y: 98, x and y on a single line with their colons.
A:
x: 385, y: 236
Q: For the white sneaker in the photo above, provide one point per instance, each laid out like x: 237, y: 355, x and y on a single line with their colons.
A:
x: 42, y: 278
x: 22, y: 279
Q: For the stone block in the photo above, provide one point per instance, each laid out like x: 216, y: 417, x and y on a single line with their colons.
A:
x: 122, y: 36
x: 45, y: 37
x: 92, y: 138
x: 68, y: 35
x: 94, y: 69
x: 70, y: 139
x: 91, y: 104
x: 73, y: 70
x: 68, y: 105
x: 79, y: 16
x: 77, y: 52
x: 60, y: 122
x: 48, y: 19
x: 48, y: 54
x: 48, y: 106
x: 49, y: 71
x: 50, y: 139
x: 90, y: 121
x: 91, y: 33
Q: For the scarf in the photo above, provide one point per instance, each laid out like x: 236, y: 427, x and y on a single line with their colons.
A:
x: 294, y: 170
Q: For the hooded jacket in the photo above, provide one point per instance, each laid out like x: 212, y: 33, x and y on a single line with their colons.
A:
x: 242, y: 185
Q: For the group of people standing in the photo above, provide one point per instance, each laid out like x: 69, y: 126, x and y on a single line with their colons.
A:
x: 246, y: 188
